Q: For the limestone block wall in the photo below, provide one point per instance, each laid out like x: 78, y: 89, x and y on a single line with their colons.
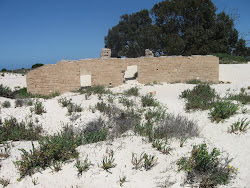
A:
x: 65, y: 75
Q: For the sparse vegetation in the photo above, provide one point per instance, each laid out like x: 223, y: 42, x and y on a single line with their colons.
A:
x: 10, y: 129
x: 146, y: 161
x: 38, y: 108
x: 133, y: 91
x: 243, y: 96
x: 222, y: 110
x: 6, y: 104
x: 108, y: 161
x: 202, y: 97
x: 176, y: 126
x: 97, y: 89
x: 57, y: 148
x: 95, y: 131
x: 206, y: 167
x: 161, y: 146
x: 149, y: 100
x: 194, y: 81
x: 4, y: 182
x: 230, y: 59
x: 82, y: 166
x: 240, y: 126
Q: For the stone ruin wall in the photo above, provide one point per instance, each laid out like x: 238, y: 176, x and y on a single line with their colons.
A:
x: 65, y: 75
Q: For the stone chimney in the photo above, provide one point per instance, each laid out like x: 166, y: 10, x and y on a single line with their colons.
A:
x: 148, y: 53
x: 106, y: 53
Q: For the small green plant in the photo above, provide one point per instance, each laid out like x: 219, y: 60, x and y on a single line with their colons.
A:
x: 57, y: 148
x: 38, y: 108
x: 243, y: 96
x: 35, y: 181
x: 161, y: 146
x: 64, y: 101
x: 202, y: 96
x: 122, y: 180
x: 149, y: 161
x: 206, y: 167
x: 4, y: 182
x: 97, y: 89
x: 19, y: 102
x: 155, y: 114
x: 240, y: 126
x: 149, y: 100
x: 82, y: 166
x: 56, y: 165
x: 110, y: 99
x: 72, y: 107
x: 126, y: 102
x: 133, y: 91
x: 137, y: 162
x: 5, y: 150
x: 11, y: 129
x: 95, y: 131
x: 222, y: 110
x: 108, y: 161
x: 6, y: 104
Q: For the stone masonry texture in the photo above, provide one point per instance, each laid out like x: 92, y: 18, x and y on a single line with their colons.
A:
x: 65, y: 75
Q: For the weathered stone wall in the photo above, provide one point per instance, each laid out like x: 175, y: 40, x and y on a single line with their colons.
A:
x: 65, y: 75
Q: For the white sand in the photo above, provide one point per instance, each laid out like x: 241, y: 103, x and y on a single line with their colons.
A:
x: 215, y: 135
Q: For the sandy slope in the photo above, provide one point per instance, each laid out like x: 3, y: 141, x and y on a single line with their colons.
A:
x: 215, y: 135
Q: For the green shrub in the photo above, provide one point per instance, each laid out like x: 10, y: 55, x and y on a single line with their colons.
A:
x: 82, y: 166
x: 240, y: 126
x: 3, y: 70
x: 38, y: 108
x: 4, y: 182
x: 108, y: 161
x: 133, y: 91
x: 95, y: 131
x: 194, y: 81
x: 10, y: 129
x: 202, y: 97
x: 5, y: 92
x: 146, y: 161
x: 155, y: 114
x: 222, y: 110
x: 6, y: 104
x: 126, y: 102
x: 149, y: 100
x: 72, y: 107
x: 229, y: 59
x: 57, y: 148
x: 173, y: 126
x: 64, y: 101
x: 98, y: 89
x: 206, y: 167
x: 242, y: 97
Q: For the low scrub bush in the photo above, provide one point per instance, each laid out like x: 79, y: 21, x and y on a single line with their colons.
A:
x: 149, y: 100
x: 230, y: 59
x: 95, y: 131
x: 240, y: 126
x: 155, y: 114
x: 176, y: 126
x: 57, y: 148
x: 64, y: 102
x: 202, y: 97
x: 146, y: 161
x: 126, y: 102
x: 4, y: 182
x: 98, y: 89
x: 242, y: 97
x: 5, y: 150
x: 82, y: 166
x: 133, y: 91
x: 161, y: 146
x: 108, y: 161
x: 72, y: 107
x: 222, y: 110
x: 38, y: 108
x: 10, y: 129
x: 194, y: 81
x: 206, y: 168
x: 6, y: 104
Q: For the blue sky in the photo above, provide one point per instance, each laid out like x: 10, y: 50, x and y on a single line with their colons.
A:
x: 46, y: 31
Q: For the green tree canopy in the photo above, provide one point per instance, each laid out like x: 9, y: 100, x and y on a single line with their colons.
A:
x: 175, y: 27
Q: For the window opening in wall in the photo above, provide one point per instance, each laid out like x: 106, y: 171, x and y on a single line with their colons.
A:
x: 131, y: 73
x: 85, y: 78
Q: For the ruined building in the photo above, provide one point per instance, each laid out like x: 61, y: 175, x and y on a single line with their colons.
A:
x: 70, y: 75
